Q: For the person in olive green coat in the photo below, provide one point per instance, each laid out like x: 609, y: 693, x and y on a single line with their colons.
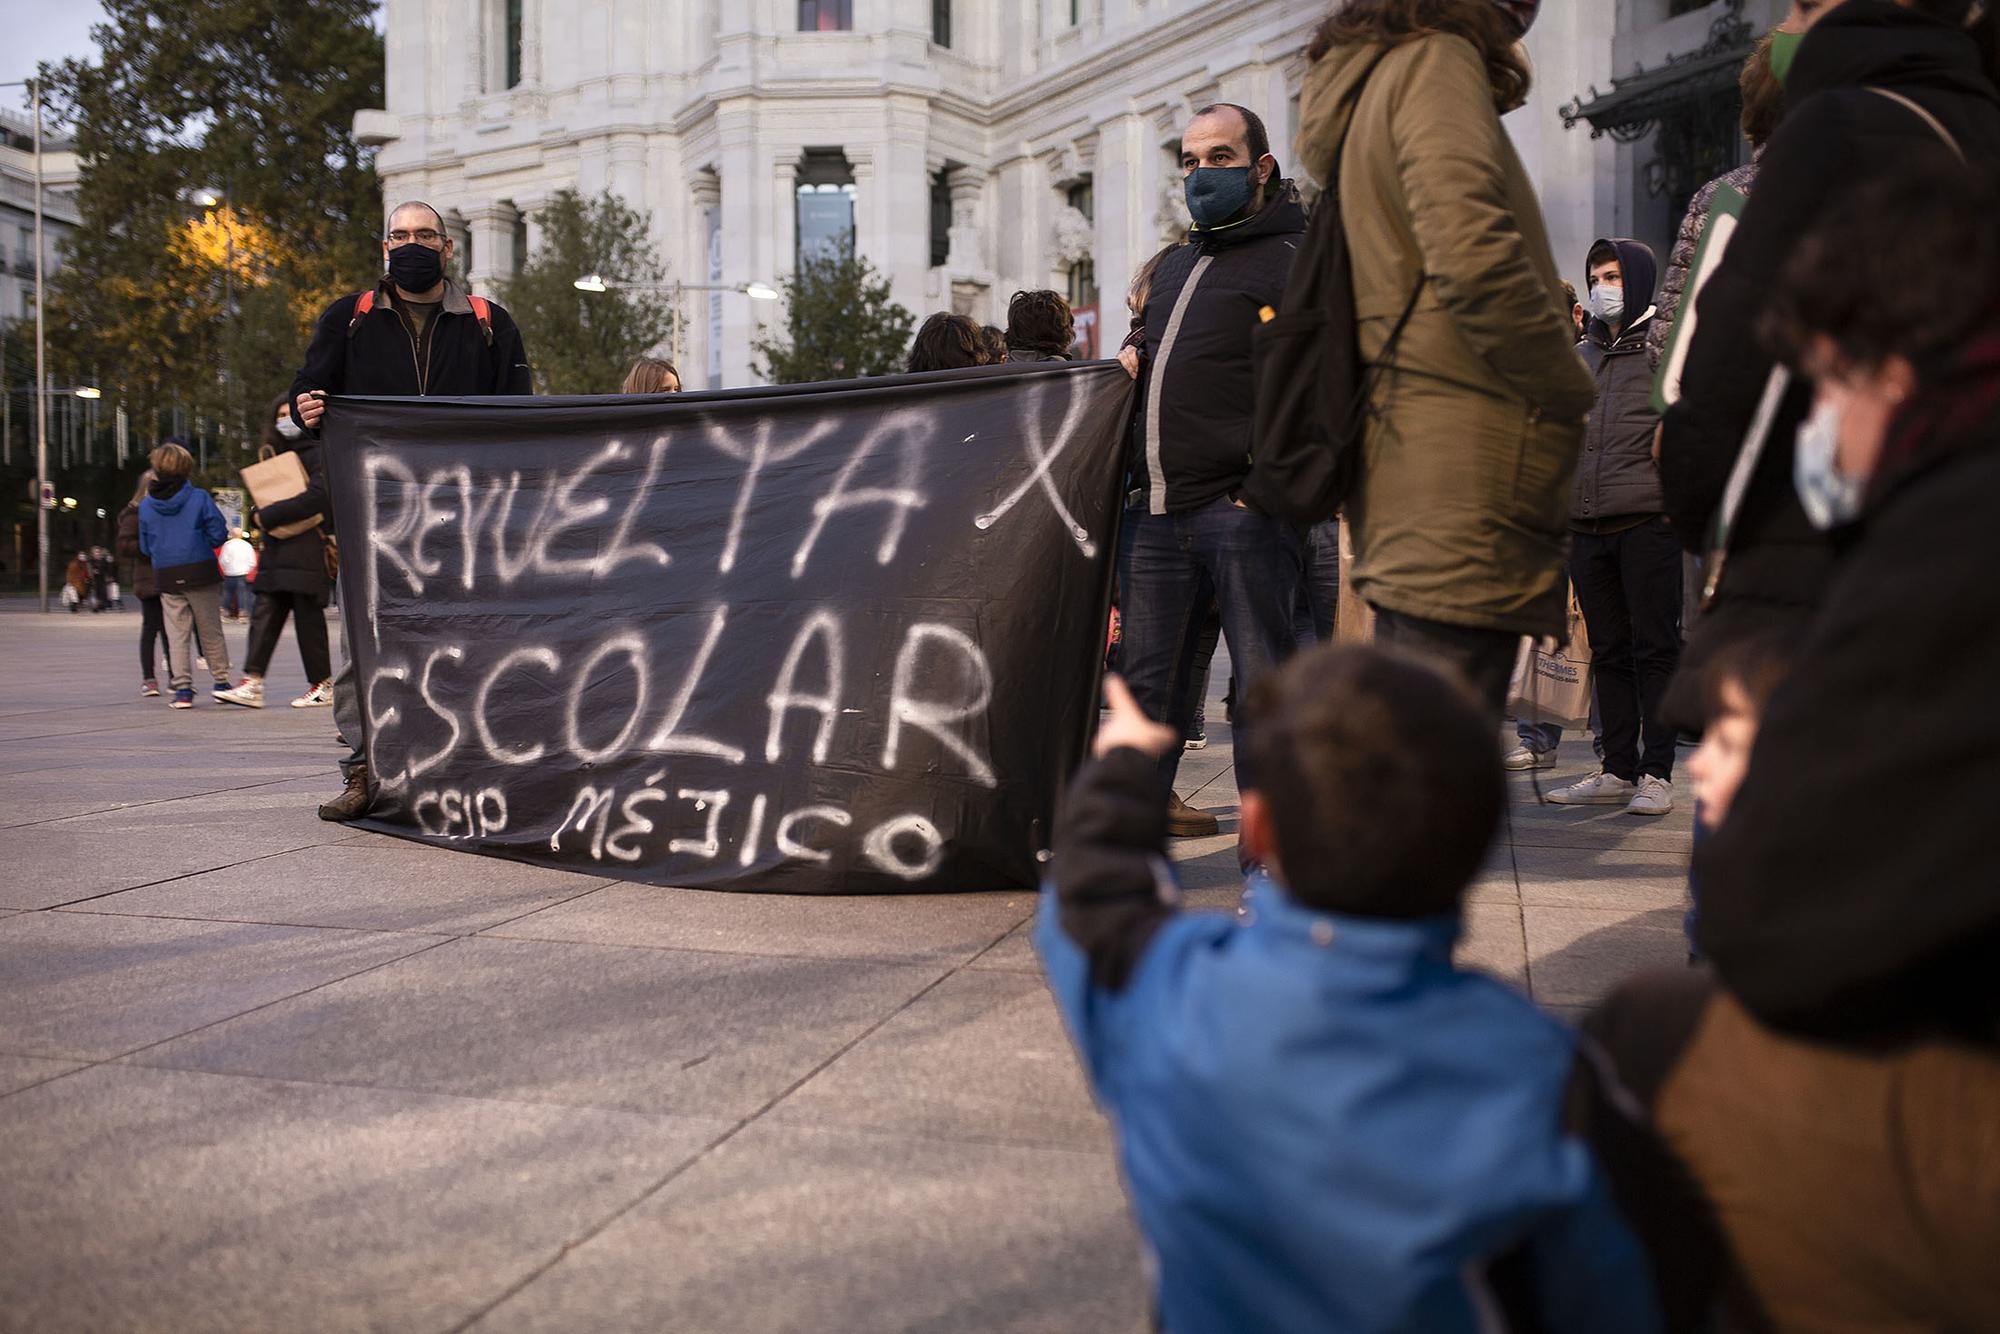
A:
x: 1459, y: 519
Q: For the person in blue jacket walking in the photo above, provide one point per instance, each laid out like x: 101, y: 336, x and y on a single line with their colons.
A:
x: 1324, y: 1123
x: 179, y: 530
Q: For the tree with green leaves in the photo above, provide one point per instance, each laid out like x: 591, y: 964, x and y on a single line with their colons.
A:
x: 584, y: 342
x: 841, y: 323
x: 224, y: 200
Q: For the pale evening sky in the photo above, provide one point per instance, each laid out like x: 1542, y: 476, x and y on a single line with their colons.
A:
x: 39, y: 30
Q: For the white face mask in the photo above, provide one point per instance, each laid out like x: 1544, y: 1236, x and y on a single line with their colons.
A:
x: 288, y: 428
x: 1830, y: 497
x: 1607, y: 302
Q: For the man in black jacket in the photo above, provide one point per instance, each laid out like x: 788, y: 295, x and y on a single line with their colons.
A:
x: 1624, y: 559
x: 1188, y: 537
x: 415, y: 332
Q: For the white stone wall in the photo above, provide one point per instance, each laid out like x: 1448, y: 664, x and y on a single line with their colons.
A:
x: 700, y: 103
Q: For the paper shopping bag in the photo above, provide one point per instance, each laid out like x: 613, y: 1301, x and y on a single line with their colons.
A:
x: 275, y: 477
x: 1552, y: 680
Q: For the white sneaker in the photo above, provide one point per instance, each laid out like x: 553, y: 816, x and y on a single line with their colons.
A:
x: 1523, y: 759
x: 249, y: 692
x: 319, y: 697
x: 1600, y: 789
x: 1655, y: 797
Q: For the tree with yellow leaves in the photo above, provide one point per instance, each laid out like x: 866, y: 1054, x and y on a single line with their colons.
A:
x: 224, y: 202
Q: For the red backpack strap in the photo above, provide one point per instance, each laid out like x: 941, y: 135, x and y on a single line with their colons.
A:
x: 482, y: 309
x: 362, y: 305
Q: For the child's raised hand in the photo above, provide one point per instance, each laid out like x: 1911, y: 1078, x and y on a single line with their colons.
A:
x: 1128, y: 725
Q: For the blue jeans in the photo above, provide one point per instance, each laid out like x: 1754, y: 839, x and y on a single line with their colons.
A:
x: 1319, y: 592
x: 1170, y: 566
x: 1541, y: 738
x: 235, y: 595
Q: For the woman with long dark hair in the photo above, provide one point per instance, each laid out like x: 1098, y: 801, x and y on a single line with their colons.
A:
x: 1459, y: 517
x: 293, y: 578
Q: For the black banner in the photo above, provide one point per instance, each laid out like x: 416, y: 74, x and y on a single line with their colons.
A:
x: 822, y: 639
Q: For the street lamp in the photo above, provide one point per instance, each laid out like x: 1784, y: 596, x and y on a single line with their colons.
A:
x: 209, y: 197
x: 88, y: 391
x: 597, y: 282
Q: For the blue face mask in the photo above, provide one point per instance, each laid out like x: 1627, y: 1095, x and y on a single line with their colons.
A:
x: 1829, y: 496
x: 1217, y: 194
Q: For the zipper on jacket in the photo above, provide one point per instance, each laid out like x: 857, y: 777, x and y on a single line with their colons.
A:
x: 422, y: 369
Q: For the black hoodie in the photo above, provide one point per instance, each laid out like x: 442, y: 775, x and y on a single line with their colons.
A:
x: 1191, y: 417
x: 1617, y: 485
x: 1836, y: 136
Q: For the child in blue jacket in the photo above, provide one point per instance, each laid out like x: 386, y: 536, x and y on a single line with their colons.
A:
x: 1324, y: 1123
x: 179, y: 530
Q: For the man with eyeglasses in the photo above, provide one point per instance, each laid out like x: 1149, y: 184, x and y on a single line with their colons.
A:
x: 415, y: 332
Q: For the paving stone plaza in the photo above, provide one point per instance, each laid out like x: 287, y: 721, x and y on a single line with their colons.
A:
x: 258, y: 1071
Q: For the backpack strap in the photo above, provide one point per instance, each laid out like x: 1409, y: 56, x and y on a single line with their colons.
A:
x: 1937, y: 126
x: 482, y: 309
x: 362, y: 305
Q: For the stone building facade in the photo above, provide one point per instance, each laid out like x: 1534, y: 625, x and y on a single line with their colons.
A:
x: 970, y: 147
x: 17, y: 210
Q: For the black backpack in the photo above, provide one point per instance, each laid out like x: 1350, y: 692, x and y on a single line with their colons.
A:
x: 1309, y: 387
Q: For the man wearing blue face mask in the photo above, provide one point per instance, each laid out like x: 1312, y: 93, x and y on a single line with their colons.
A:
x: 416, y: 332
x: 1188, y: 535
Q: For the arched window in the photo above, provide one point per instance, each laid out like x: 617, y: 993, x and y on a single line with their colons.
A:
x: 825, y: 203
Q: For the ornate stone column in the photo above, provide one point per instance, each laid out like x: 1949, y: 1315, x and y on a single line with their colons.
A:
x: 703, y: 256
x: 968, y: 191
x: 492, y: 228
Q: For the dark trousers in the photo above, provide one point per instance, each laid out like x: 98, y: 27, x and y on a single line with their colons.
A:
x: 1628, y: 585
x: 347, y: 718
x: 1171, y: 567
x: 152, y: 629
x: 1313, y: 611
x: 267, y: 622
x: 1206, y: 639
x: 235, y: 594
x: 1319, y: 592
x: 1485, y: 658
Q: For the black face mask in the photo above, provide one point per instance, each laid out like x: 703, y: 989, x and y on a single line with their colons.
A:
x: 415, y: 268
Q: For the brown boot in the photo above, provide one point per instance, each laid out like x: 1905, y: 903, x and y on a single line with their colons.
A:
x: 1184, y: 821
x: 353, y: 800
